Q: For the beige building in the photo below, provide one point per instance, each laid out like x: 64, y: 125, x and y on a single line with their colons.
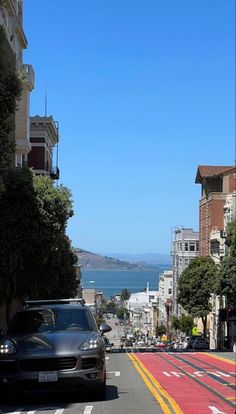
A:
x: 11, y: 19
x: 165, y: 298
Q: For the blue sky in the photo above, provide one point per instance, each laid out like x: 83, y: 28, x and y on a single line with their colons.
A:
x: 144, y: 93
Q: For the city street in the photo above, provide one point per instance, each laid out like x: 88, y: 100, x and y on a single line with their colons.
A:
x: 153, y: 383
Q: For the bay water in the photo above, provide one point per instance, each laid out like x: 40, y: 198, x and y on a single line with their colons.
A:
x: 113, y: 282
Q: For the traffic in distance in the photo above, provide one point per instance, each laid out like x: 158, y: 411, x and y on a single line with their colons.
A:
x: 54, y: 358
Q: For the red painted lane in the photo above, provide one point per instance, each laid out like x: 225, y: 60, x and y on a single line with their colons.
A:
x: 228, y: 366
x: 202, y: 376
x: 224, y: 369
x: 189, y: 395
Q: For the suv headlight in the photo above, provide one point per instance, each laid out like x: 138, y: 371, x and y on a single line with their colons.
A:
x: 7, y: 347
x: 90, y: 344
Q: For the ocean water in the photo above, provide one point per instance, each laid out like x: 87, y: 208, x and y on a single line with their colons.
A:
x: 113, y: 282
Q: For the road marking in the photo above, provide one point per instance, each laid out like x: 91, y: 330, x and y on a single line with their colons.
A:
x: 107, y: 358
x: 166, y: 373
x: 215, y: 410
x: 117, y: 373
x: 88, y: 409
x: 17, y: 412
x: 223, y: 374
x: 59, y: 411
x: 31, y: 412
x: 154, y: 386
x: 197, y: 373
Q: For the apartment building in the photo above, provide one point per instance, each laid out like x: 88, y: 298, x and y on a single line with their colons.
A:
x: 217, y: 207
x: 216, y: 183
x: 44, y: 138
x: 165, y: 297
x: 143, y: 311
x: 11, y: 20
x: 185, y: 247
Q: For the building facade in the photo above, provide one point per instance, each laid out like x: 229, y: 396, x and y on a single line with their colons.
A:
x: 185, y: 247
x: 11, y: 20
x: 216, y: 183
x: 165, y: 298
x: 44, y: 137
x: 143, y: 311
x: 217, y: 208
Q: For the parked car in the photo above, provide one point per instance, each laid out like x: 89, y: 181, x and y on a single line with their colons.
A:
x: 51, y: 344
x: 196, y: 342
x: 200, y: 343
x: 108, y: 344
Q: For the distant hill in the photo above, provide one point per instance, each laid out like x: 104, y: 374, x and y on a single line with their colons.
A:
x: 93, y: 261
x: 147, y: 258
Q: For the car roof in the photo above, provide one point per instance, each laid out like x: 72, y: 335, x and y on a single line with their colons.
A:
x: 56, y: 306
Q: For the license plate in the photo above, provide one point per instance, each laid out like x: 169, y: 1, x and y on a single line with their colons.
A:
x: 49, y: 376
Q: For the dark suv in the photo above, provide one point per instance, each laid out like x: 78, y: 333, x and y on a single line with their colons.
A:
x: 53, y: 344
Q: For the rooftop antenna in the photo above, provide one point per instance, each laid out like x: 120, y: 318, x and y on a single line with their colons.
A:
x: 46, y: 99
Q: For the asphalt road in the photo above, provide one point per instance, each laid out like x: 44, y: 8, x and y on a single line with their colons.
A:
x: 147, y: 383
x: 126, y: 393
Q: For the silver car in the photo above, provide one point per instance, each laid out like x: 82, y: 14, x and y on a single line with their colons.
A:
x: 50, y: 345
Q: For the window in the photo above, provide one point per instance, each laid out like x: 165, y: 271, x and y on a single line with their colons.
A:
x: 169, y: 291
x: 186, y: 247
x: 192, y: 247
x: 186, y: 261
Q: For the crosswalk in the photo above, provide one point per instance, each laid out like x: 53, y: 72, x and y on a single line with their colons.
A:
x: 52, y: 410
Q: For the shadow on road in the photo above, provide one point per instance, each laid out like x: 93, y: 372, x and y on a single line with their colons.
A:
x: 54, y: 399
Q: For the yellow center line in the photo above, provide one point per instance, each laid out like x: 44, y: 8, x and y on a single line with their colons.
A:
x: 218, y: 357
x: 150, y: 381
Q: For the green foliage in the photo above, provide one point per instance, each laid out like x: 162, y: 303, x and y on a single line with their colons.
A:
x: 10, y: 91
x: 226, y: 276
x: 103, y: 306
x: 195, y: 286
x: 184, y: 323
x: 160, y: 329
x: 121, y: 313
x: 231, y: 237
x: 111, y: 307
x: 176, y: 323
x: 36, y: 257
x: 125, y: 294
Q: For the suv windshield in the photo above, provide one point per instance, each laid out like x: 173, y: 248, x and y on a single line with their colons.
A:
x: 50, y: 320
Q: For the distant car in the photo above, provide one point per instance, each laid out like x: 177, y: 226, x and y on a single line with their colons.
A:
x: 141, y: 343
x: 108, y: 345
x: 196, y: 342
x: 50, y: 345
x: 200, y: 343
x: 160, y: 344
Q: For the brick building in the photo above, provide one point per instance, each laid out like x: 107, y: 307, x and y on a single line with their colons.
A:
x: 216, y: 182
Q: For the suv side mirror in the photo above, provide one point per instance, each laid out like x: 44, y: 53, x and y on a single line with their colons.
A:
x: 103, y: 328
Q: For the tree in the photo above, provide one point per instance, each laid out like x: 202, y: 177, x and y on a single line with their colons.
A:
x: 226, y: 276
x: 36, y: 258
x: 176, y: 323
x: 121, y: 313
x: 160, y: 329
x: 125, y: 295
x: 10, y: 91
x: 184, y: 323
x: 195, y: 286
